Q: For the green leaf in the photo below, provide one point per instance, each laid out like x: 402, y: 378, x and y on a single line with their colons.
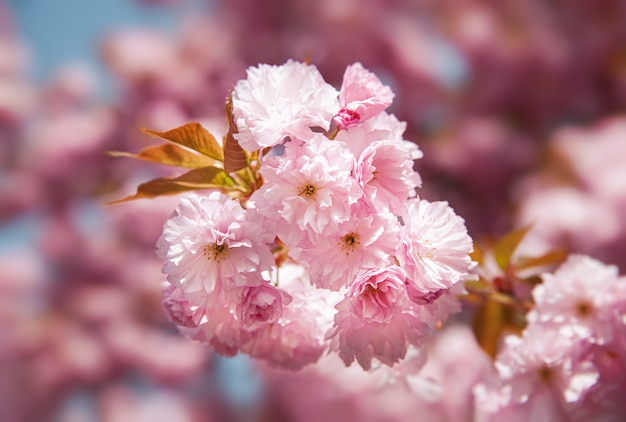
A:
x: 194, y: 136
x: 170, y: 155
x: 506, y: 246
x: 234, y: 156
x: 204, y: 178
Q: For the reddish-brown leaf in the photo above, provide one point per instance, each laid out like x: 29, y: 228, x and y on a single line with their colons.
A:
x: 170, y: 155
x: 506, y: 246
x: 204, y: 178
x: 234, y: 156
x: 194, y: 136
x: 488, y: 325
x: 493, y: 320
x: 554, y: 257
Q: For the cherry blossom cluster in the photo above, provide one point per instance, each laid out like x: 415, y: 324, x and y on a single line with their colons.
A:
x: 332, y: 250
x: 568, y: 361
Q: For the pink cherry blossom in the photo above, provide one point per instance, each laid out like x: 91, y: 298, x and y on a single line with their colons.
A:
x: 363, y: 242
x: 298, y: 338
x: 435, y: 247
x: 604, y: 401
x: 361, y: 97
x: 385, y: 161
x: 208, y: 245
x: 543, y: 362
x: 179, y: 308
x: 261, y: 305
x: 583, y: 299
x: 385, y: 173
x: 222, y: 331
x: 279, y: 101
x: 309, y: 189
x: 435, y: 308
x: 374, y: 319
x: 597, y: 156
x: 382, y: 127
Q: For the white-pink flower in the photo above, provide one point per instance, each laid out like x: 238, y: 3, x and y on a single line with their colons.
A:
x: 261, y: 305
x: 375, y: 319
x: 298, y: 338
x: 584, y: 299
x: 385, y: 161
x: 361, y: 97
x: 433, y: 309
x: 382, y: 127
x: 208, y: 245
x: 385, y: 173
x: 223, y: 331
x: 180, y: 309
x: 544, y: 362
x: 363, y: 242
x: 435, y: 247
x: 279, y: 101
x: 309, y: 189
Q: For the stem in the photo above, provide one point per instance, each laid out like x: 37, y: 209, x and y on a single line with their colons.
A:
x: 333, y: 131
x: 489, y: 295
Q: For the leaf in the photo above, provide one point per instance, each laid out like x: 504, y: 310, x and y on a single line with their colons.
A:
x: 204, y: 178
x: 491, y: 321
x: 506, y: 246
x: 477, y: 255
x: 194, y: 136
x: 170, y: 155
x: 554, y: 257
x: 487, y: 325
x: 234, y: 156
x: 481, y: 285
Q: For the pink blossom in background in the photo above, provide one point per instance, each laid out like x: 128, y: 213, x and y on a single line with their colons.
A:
x: 597, y: 155
x: 584, y: 299
x: 585, y: 211
x: 556, y: 370
x: 435, y: 384
x: 516, y: 107
x: 539, y: 363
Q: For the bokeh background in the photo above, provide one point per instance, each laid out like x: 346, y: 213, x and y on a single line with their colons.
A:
x: 518, y: 107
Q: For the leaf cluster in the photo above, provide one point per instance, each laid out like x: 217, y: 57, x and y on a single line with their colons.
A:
x: 209, y: 164
x: 503, y: 297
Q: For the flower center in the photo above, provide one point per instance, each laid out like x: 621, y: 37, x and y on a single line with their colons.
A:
x: 215, y: 252
x: 584, y: 308
x: 349, y: 242
x: 545, y: 374
x: 307, y: 190
x: 347, y: 118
